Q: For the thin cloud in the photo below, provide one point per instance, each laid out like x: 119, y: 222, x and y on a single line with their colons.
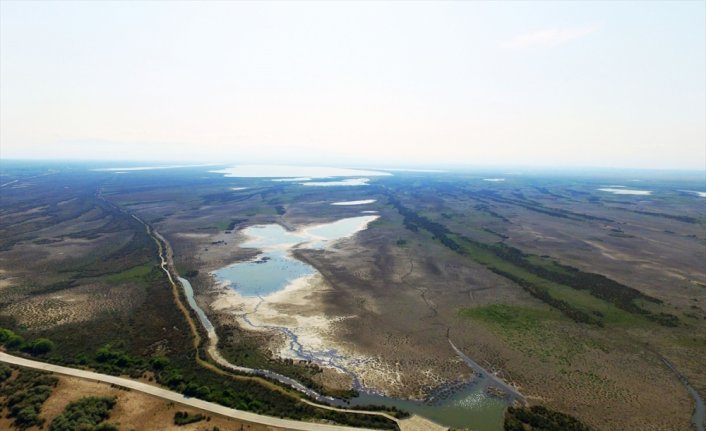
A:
x: 549, y: 37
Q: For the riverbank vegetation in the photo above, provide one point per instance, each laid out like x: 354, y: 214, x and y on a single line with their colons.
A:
x: 244, y: 349
x: 538, y: 418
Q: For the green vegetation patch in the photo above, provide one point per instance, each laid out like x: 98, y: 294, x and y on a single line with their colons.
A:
x: 508, y: 317
x: 36, y: 347
x: 230, y: 224
x: 85, y: 414
x: 24, y: 395
x: 530, y: 330
x: 538, y: 418
x: 184, y: 418
x: 136, y: 273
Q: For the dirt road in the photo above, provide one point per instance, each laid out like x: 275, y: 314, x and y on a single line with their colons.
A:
x: 165, y: 394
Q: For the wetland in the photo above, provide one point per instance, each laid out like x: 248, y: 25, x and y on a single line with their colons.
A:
x: 570, y: 296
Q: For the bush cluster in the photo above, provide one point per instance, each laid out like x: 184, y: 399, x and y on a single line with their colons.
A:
x: 538, y: 418
x: 184, y: 418
x: 85, y: 414
x: 25, y: 394
x: 37, y: 347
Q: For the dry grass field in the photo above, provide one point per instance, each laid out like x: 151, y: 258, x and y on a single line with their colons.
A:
x: 133, y: 411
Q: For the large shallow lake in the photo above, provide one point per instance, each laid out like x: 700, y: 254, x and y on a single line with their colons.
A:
x: 275, y: 268
x: 301, y: 173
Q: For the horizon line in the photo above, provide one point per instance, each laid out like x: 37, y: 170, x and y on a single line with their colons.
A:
x: 391, y: 166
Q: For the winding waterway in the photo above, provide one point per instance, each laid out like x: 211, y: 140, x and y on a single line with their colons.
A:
x: 215, y: 354
x: 458, y: 404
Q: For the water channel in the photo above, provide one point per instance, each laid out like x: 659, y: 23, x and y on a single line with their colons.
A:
x: 458, y: 404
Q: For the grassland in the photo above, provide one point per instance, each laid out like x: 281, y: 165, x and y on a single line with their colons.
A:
x: 571, y: 294
x: 510, y: 318
x: 587, y: 308
x: 583, y: 297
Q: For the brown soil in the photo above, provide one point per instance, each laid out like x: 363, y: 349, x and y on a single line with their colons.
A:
x: 134, y: 411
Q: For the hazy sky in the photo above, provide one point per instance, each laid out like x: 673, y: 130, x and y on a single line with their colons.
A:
x: 604, y: 84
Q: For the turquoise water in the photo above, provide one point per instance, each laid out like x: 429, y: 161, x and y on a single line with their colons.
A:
x: 332, y: 231
x: 275, y: 270
x: 275, y: 267
x: 189, y: 293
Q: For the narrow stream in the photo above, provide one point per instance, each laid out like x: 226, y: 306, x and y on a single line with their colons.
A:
x: 457, y: 404
x: 494, y: 380
x: 697, y: 419
x: 215, y: 354
x: 328, y: 358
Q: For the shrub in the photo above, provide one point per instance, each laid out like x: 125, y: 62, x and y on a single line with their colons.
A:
x: 27, y: 417
x: 41, y: 346
x: 85, y: 414
x: 5, y: 372
x: 25, y: 395
x: 159, y: 362
x: 10, y: 339
x: 184, y: 418
x: 538, y: 418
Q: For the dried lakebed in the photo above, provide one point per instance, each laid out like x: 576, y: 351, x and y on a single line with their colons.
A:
x: 273, y: 293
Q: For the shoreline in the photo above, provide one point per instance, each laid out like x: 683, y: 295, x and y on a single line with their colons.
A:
x: 294, y: 312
